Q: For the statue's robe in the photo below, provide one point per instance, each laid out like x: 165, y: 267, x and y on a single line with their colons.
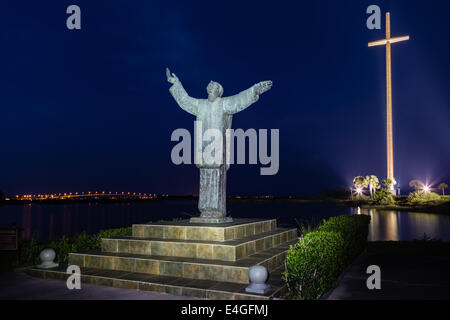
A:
x: 213, y: 115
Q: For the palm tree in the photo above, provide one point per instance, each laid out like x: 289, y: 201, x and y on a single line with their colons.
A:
x: 376, y: 187
x: 443, y: 186
x: 373, y: 183
x: 389, y: 183
x: 416, y: 184
x: 360, y: 182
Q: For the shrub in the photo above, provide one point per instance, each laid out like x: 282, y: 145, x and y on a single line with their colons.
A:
x: 354, y: 229
x: 84, y: 242
x: 420, y: 196
x: 361, y: 197
x: 62, y: 248
x: 30, y: 250
x: 110, y: 233
x: 384, y: 197
x: 314, y: 263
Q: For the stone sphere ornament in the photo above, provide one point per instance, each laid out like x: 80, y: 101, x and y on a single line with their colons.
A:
x: 258, y: 277
x: 47, y: 257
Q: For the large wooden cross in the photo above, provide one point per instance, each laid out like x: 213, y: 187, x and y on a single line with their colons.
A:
x: 390, y: 141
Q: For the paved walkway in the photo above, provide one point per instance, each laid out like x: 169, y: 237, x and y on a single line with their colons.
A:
x: 17, y: 285
x: 403, y: 277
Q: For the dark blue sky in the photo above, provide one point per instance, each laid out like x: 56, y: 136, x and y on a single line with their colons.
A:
x: 90, y: 109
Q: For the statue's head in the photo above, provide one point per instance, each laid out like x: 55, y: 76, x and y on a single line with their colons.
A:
x: 215, y: 90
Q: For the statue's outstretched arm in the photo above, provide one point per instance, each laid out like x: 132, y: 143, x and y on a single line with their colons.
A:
x: 180, y: 95
x: 245, y: 99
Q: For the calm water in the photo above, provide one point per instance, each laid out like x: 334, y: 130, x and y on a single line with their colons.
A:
x: 53, y: 221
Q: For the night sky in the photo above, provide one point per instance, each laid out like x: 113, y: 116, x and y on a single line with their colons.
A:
x: 91, y: 110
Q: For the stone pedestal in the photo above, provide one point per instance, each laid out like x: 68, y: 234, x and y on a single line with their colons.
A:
x: 211, y: 220
x: 209, y: 261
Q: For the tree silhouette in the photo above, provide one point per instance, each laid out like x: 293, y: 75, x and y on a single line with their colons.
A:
x: 443, y: 186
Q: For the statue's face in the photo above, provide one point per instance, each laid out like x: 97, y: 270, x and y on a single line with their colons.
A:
x: 214, y: 90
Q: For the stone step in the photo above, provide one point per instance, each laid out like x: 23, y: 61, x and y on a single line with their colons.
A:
x: 203, y: 289
x: 191, y: 268
x: 184, y: 230
x: 231, y: 250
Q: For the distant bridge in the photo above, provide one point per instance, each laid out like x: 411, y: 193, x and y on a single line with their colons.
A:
x: 87, y: 195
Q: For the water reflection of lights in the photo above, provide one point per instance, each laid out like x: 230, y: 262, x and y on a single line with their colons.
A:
x: 388, y: 225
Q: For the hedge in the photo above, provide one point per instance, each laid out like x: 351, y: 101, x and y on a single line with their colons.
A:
x: 314, y: 264
x: 354, y: 229
x: 316, y: 261
x: 30, y: 250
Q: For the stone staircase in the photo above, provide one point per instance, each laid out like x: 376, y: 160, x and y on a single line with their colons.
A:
x: 206, y: 261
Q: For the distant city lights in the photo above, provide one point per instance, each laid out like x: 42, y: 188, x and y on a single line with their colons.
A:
x: 88, y: 195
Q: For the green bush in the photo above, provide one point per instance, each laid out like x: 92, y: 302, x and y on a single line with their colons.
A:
x: 384, y: 197
x: 354, y: 229
x: 314, y: 263
x: 62, y: 248
x: 110, y: 233
x: 420, y: 196
x: 30, y: 250
x: 84, y: 242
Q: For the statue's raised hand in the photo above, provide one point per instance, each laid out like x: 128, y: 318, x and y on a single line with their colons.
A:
x: 263, y: 87
x: 171, y: 77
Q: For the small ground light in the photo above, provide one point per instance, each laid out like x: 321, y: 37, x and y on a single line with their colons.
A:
x: 426, y: 189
